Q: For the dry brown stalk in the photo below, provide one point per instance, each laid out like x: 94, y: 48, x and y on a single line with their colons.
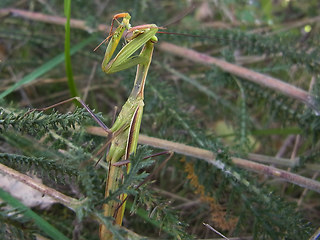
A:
x: 210, y: 157
x: 65, y: 200
x: 261, y: 79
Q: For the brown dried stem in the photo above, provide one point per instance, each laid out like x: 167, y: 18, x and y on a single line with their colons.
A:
x: 261, y: 79
x: 210, y: 157
x: 65, y: 200
x: 74, y: 23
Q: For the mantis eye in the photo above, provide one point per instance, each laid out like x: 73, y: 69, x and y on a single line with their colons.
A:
x: 154, y: 39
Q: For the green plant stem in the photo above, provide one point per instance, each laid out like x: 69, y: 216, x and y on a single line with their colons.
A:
x: 72, y: 86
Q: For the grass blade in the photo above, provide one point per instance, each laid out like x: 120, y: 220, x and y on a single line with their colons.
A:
x: 46, y: 67
x: 39, y: 221
x: 71, y: 83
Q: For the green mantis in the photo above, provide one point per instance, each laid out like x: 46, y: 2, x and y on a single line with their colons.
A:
x: 123, y: 135
x: 126, y: 127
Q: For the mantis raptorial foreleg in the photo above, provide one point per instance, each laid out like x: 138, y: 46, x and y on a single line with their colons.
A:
x: 78, y: 99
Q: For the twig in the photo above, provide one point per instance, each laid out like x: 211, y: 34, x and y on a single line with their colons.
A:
x: 316, y: 235
x: 264, y: 80
x: 209, y: 157
x: 217, y: 232
x: 65, y: 200
x: 74, y: 23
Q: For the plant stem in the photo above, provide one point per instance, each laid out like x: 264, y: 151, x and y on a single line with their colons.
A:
x: 72, y: 86
x: 261, y: 79
x: 209, y: 157
x: 65, y: 200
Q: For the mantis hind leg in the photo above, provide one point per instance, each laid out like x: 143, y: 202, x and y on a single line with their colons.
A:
x: 94, y: 116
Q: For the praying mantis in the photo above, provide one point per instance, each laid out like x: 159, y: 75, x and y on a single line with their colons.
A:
x: 127, y: 125
x: 123, y: 135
